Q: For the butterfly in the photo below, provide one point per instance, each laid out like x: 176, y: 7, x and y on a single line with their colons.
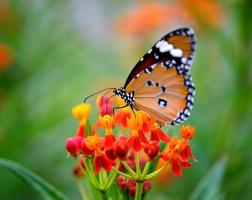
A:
x: 160, y: 83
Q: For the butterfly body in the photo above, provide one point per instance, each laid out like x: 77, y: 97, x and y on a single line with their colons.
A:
x: 160, y: 83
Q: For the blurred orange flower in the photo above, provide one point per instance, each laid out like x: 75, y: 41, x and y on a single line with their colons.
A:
x: 6, y: 57
x: 206, y: 13
x: 149, y: 16
x: 142, y: 19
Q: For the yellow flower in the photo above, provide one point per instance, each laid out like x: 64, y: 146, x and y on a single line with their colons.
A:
x: 81, y: 112
x: 106, y: 121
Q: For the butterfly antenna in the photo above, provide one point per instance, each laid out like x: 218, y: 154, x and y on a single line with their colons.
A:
x: 91, y: 95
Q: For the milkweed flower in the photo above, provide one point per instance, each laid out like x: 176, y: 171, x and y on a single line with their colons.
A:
x: 121, y: 147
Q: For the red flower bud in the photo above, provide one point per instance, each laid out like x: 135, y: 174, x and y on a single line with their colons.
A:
x: 122, y: 182
x: 105, y: 106
x: 146, y: 186
x: 73, y: 145
x: 77, y: 171
x: 152, y: 149
x: 110, y: 154
x: 121, y: 147
x: 132, y: 187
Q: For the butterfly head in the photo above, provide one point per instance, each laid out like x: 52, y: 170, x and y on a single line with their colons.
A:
x: 128, y: 97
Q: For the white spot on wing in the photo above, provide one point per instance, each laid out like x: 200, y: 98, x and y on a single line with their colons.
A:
x: 176, y: 52
x: 149, y: 51
x: 165, y: 48
x: 183, y: 60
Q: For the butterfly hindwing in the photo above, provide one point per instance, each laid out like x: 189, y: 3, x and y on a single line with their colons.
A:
x: 161, y: 80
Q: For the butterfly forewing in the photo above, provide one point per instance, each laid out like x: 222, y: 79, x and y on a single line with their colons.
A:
x: 161, y: 80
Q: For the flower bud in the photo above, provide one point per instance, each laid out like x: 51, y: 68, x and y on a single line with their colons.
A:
x: 73, y: 145
x: 121, y: 147
x: 77, y: 171
x: 187, y: 132
x: 122, y: 182
x: 132, y: 187
x: 152, y: 149
x: 146, y: 186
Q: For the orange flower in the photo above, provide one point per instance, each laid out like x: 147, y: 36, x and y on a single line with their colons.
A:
x: 107, y: 122
x: 6, y: 57
x: 102, y: 161
x: 158, y: 134
x: 187, y: 132
x: 90, y: 144
x: 121, y: 117
x: 145, y: 17
x: 178, y: 152
x: 206, y: 13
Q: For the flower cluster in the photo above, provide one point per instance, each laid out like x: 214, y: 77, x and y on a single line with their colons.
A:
x: 125, y: 144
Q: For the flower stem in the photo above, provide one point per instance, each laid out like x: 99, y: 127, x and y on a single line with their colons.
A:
x: 146, y: 169
x: 157, y: 172
x: 139, y: 189
x: 123, y: 174
x: 127, y: 167
x: 103, y: 194
x: 82, y: 190
x: 137, y: 160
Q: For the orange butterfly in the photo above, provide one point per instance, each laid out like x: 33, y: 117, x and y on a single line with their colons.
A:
x: 160, y: 83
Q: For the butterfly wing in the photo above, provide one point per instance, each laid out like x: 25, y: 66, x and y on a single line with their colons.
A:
x: 161, y: 80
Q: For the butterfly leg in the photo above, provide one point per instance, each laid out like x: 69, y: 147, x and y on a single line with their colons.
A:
x: 119, y: 107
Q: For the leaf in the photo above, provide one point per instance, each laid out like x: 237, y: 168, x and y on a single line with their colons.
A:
x: 209, y: 187
x: 88, y: 129
x: 46, y: 190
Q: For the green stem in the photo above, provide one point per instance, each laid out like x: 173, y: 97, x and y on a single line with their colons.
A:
x: 139, y: 189
x: 131, y: 172
x: 110, y: 179
x: 137, y: 161
x: 87, y: 173
x: 82, y: 190
x: 90, y: 171
x: 103, y: 194
x: 145, y: 170
x: 157, y: 172
x: 123, y: 174
x: 101, y: 176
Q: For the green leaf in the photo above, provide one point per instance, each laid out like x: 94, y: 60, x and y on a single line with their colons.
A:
x: 46, y: 190
x: 88, y: 129
x: 209, y: 187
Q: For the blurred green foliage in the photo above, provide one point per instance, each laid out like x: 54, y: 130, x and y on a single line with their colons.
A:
x: 64, y: 50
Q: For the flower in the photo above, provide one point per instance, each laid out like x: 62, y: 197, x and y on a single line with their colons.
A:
x: 143, y: 18
x: 187, y: 132
x: 90, y: 144
x: 128, y: 143
x: 122, y: 117
x: 73, y: 145
x: 152, y: 149
x: 105, y: 106
x: 6, y: 56
x: 102, y: 161
x: 81, y: 112
x: 107, y: 122
x: 158, y: 134
x: 121, y: 147
x: 179, y: 151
